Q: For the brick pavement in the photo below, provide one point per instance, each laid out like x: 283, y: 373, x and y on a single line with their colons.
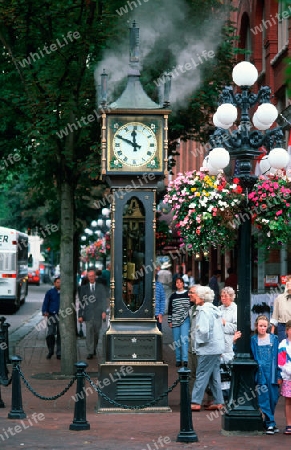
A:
x: 47, y: 423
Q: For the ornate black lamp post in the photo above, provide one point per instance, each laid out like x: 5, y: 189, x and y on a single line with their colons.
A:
x: 243, y: 145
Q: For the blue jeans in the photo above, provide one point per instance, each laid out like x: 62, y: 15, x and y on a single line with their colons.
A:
x: 181, y: 340
x: 281, y: 331
x: 268, y: 393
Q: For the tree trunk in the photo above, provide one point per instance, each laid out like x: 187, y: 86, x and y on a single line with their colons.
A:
x: 67, y: 315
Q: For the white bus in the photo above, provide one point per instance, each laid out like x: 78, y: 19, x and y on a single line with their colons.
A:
x: 13, y: 269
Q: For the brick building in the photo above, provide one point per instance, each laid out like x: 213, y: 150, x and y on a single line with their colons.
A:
x: 264, y: 29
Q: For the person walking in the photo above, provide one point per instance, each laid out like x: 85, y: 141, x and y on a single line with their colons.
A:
x: 50, y: 309
x: 231, y: 280
x: 213, y: 284
x: 165, y: 277
x: 264, y: 347
x: 229, y: 321
x: 282, y: 311
x: 160, y: 304
x: 228, y: 310
x: 209, y: 345
x: 179, y: 274
x: 284, y: 363
x: 192, y: 357
x: 188, y: 279
x: 92, y: 310
x: 179, y: 321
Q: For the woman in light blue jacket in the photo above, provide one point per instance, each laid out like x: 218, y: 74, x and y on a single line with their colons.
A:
x: 209, y: 344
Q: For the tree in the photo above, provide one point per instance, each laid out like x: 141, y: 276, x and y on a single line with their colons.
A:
x: 49, y: 112
x: 49, y: 115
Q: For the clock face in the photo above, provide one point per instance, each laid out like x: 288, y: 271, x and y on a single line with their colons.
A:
x: 134, y: 144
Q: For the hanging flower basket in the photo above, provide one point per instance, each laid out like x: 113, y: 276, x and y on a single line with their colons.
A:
x: 204, y: 208
x: 270, y: 202
x: 97, y: 250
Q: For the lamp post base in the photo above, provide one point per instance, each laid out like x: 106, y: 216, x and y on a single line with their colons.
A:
x: 242, y: 413
x: 242, y: 422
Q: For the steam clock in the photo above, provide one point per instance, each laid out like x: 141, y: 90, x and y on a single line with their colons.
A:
x: 134, y: 159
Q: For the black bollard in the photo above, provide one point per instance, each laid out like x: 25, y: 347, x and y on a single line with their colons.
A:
x: 6, y: 336
x: 80, y: 423
x: 187, y: 433
x: 3, y: 345
x: 16, y: 407
x: 2, y: 405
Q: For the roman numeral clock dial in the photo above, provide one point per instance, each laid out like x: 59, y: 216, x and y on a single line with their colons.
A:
x: 135, y: 145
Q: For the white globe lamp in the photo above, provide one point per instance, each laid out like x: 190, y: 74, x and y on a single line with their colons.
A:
x: 267, y: 113
x: 218, y: 158
x: 278, y: 158
x: 212, y: 170
x: 226, y: 113
x: 259, y: 125
x: 244, y: 74
x: 219, y: 124
x: 206, y: 166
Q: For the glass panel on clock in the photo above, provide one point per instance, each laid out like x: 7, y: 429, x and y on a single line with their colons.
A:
x: 133, y: 279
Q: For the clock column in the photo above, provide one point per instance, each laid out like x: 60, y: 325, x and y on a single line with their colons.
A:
x: 134, y: 159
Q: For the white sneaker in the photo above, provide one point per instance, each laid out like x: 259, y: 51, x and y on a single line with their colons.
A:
x: 271, y: 430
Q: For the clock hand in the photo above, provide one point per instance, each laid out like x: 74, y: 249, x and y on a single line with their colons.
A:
x: 134, y: 144
x: 128, y: 141
x: 124, y: 139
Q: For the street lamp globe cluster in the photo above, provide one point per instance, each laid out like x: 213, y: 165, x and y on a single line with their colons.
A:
x: 238, y: 137
x: 243, y: 142
x: 97, y: 231
x: 98, y: 227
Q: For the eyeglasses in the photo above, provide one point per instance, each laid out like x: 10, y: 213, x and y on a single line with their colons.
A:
x: 191, y: 293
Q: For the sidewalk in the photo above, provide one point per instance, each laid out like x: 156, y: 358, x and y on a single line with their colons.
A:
x: 46, y: 425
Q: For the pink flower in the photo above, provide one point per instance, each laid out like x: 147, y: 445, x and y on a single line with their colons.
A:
x: 278, y: 213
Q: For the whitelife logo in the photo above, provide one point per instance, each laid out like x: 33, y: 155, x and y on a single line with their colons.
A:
x: 47, y: 50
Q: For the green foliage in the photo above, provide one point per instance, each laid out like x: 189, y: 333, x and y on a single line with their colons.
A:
x: 47, y: 88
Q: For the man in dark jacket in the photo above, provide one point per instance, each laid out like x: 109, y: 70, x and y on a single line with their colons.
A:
x: 213, y: 284
x: 50, y: 309
x: 92, y: 310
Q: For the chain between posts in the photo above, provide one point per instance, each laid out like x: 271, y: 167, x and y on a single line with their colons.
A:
x: 42, y: 397
x: 97, y: 389
x: 120, y: 405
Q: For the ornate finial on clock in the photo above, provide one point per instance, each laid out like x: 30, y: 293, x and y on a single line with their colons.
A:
x: 104, y: 77
x: 134, y: 45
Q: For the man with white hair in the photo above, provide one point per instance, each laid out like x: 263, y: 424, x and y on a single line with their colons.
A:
x: 209, y: 345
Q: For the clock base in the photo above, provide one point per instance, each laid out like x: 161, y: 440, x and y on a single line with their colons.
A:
x: 141, y: 385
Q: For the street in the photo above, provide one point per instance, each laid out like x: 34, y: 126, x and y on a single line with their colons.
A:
x: 29, y: 309
x: 29, y: 314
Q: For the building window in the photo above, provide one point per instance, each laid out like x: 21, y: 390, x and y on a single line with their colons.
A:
x: 283, y: 19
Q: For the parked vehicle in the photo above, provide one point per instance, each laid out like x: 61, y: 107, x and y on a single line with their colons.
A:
x: 35, y: 258
x: 13, y: 269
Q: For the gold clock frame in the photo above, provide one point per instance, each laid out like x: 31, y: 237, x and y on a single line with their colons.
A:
x: 110, y: 123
